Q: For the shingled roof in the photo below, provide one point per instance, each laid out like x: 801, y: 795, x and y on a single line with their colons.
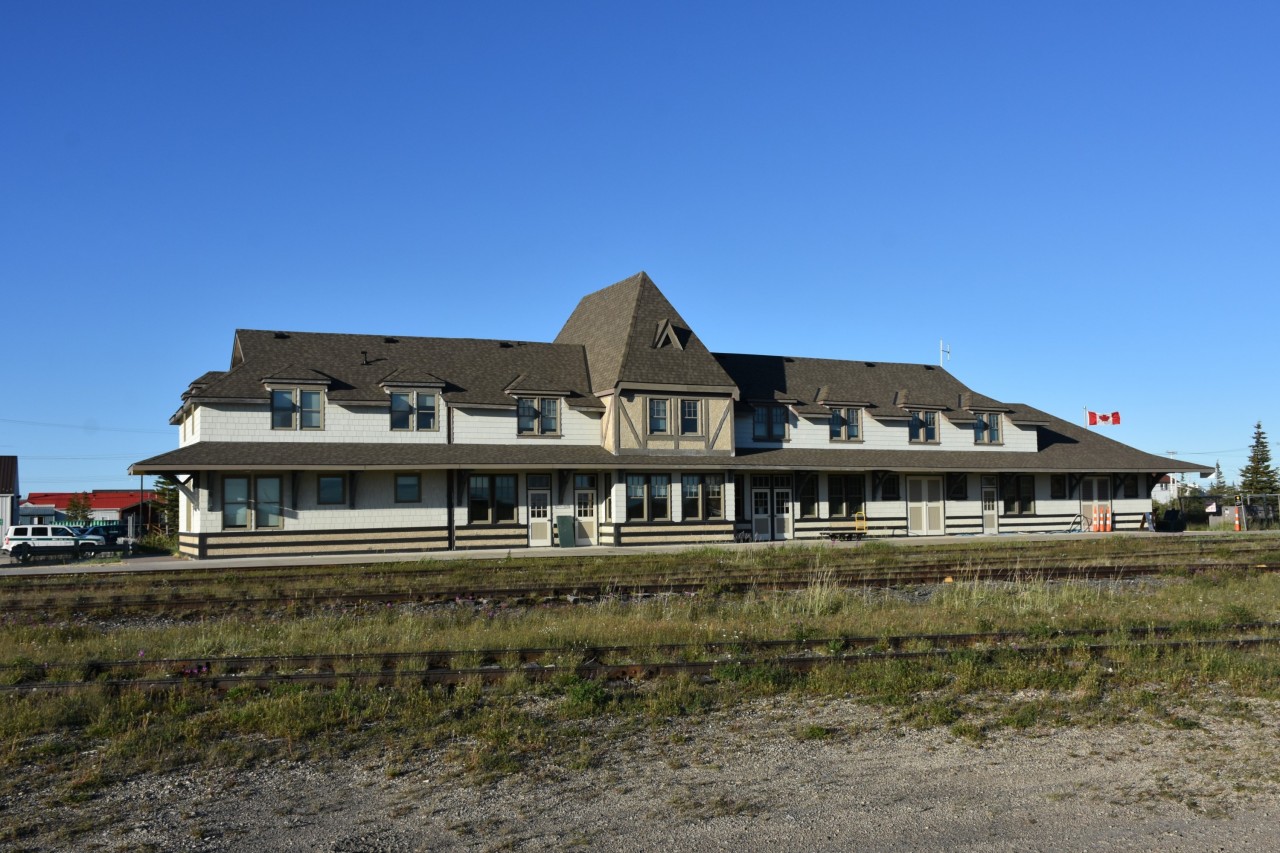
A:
x: 886, y: 389
x: 358, y: 369
x: 632, y: 335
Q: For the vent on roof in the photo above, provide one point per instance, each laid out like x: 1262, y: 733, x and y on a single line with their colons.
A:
x: 281, y: 335
x: 869, y: 363
x: 928, y: 367
x: 666, y: 336
x: 391, y: 340
x: 506, y: 345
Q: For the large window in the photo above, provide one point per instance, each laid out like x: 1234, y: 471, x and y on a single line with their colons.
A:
x: 986, y: 429
x: 702, y: 496
x: 331, y: 489
x: 491, y: 498
x: 924, y: 427
x: 658, y: 420
x: 413, y: 410
x: 769, y: 423
x: 296, y: 408
x: 263, y: 504
x: 890, y: 488
x: 538, y: 416
x: 1020, y: 495
x: 807, y: 494
x: 845, y: 424
x: 846, y: 494
x: 648, y: 497
x: 691, y: 417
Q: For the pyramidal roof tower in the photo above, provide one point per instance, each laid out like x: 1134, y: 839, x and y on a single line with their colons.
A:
x: 633, y: 336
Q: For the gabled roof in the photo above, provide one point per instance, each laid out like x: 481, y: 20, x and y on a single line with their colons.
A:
x: 359, y: 369
x: 98, y: 498
x: 633, y: 336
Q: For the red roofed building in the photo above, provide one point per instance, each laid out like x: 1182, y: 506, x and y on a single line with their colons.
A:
x: 107, y: 504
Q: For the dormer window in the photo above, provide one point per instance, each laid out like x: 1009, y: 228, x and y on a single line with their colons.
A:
x: 538, y: 416
x: 413, y: 410
x: 769, y: 423
x: 297, y: 408
x: 924, y: 428
x: 846, y: 424
x: 986, y: 428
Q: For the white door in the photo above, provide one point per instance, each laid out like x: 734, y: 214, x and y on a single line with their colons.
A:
x: 781, y: 513
x: 1095, y: 504
x: 761, y: 527
x: 539, y: 519
x: 584, y: 509
x: 990, y: 511
x: 924, y: 506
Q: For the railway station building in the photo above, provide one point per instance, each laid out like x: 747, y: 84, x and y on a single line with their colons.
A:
x: 624, y: 429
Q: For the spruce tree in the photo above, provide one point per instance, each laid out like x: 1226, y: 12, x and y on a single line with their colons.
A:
x: 79, y: 508
x: 1220, y: 486
x: 1258, y: 477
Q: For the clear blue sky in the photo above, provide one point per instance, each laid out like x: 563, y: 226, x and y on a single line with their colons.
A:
x: 1082, y: 199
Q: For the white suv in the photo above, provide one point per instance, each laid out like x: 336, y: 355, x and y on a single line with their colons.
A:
x: 24, y: 541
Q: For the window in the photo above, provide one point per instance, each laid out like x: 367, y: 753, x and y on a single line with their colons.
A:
x: 1058, y: 487
x: 845, y: 494
x: 265, y: 508
x: 538, y: 416
x: 807, y: 495
x: 1020, y: 495
x: 331, y: 489
x: 845, y: 424
x: 691, y: 417
x: 769, y: 423
x: 293, y: 408
x: 491, y: 498
x: 658, y: 416
x: 702, y: 496
x: 408, y: 488
x: 235, y: 502
x: 648, y: 497
x: 414, y: 410
x: 986, y: 429
x: 890, y: 490
x: 924, y: 427
x: 957, y: 487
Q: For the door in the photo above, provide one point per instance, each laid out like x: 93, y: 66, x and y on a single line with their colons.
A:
x: 781, y: 513
x: 924, y: 506
x: 539, y: 519
x: 761, y: 517
x: 584, y: 510
x: 1095, y: 504
x: 990, y: 512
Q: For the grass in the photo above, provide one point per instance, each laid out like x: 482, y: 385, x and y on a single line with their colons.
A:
x: 77, y: 743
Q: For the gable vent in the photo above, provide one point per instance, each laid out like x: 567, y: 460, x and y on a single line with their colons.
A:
x: 666, y: 336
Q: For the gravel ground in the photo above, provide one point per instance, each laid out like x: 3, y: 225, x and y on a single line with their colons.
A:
x: 760, y: 778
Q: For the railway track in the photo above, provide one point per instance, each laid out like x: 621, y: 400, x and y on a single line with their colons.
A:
x: 606, y: 663
x: 76, y: 600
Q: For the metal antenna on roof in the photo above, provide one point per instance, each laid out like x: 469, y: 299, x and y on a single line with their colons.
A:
x: 943, y: 350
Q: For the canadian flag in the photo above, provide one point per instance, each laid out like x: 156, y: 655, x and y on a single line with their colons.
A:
x: 1104, y: 418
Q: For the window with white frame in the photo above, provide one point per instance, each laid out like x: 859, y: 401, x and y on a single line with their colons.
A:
x: 659, y: 422
x: 413, y: 410
x: 986, y: 428
x: 691, y: 417
x: 538, y: 416
x: 924, y: 428
x: 297, y: 408
x: 846, y: 424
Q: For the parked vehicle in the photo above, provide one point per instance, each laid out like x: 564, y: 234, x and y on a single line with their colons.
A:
x: 111, y: 533
x: 24, y: 541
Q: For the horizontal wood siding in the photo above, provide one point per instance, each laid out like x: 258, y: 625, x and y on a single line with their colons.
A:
x: 673, y: 533
x: 291, y: 543
x: 492, y: 536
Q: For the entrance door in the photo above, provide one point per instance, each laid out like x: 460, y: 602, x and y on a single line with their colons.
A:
x: 781, y: 513
x: 990, y: 513
x: 584, y: 509
x: 761, y: 518
x: 924, y: 506
x: 539, y: 519
x: 1095, y: 504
